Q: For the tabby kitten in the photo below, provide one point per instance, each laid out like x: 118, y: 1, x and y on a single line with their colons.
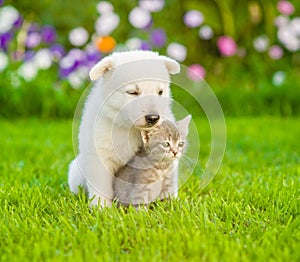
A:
x: 150, y: 174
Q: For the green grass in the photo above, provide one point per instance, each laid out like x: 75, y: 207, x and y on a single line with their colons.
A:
x: 250, y: 212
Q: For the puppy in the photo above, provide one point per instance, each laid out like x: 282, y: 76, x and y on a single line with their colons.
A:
x: 131, y: 92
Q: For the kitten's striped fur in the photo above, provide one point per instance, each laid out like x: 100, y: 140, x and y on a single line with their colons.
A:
x: 150, y: 174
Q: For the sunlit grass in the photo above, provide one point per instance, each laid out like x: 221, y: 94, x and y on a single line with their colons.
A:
x: 250, y: 212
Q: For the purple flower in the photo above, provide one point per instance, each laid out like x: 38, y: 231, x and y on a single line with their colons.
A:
x: 1, y: 2
x: 58, y: 51
x: 74, y: 59
x: 33, y: 40
x: 48, y: 34
x: 64, y: 72
x: 145, y: 46
x: 18, y: 23
x: 33, y: 28
x: 28, y: 55
x: 226, y: 45
x: 5, y: 40
x: 158, y: 38
x: 92, y: 58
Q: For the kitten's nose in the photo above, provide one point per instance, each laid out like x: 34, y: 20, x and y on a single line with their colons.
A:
x: 152, y: 119
x: 174, y: 153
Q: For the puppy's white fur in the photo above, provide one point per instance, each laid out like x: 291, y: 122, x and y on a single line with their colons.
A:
x: 109, y: 131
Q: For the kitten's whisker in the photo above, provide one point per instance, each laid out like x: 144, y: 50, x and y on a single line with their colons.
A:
x: 187, y: 161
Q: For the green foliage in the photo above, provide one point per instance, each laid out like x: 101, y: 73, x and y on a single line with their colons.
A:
x: 44, y: 97
x: 242, y: 84
x: 250, y: 212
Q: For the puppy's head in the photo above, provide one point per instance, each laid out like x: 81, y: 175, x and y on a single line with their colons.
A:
x: 106, y: 66
x: 136, y: 87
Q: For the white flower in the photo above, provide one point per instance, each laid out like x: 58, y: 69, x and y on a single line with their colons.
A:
x: 106, y: 23
x: 206, y: 32
x: 261, y: 43
x: 281, y: 20
x: 177, y: 51
x: 152, y: 5
x: 70, y: 59
x: 28, y: 71
x: 8, y: 16
x: 284, y: 33
x: 293, y: 44
x: 75, y: 80
x: 139, y: 17
x: 295, y: 24
x: 104, y: 7
x: 43, y: 59
x: 67, y: 62
x: 83, y: 72
x: 287, y: 35
x: 3, y: 61
x: 193, y: 18
x: 278, y: 78
x: 134, y: 43
x: 78, y: 36
x: 14, y: 79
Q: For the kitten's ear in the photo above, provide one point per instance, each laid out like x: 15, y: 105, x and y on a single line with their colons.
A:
x: 183, y: 125
x: 145, y: 136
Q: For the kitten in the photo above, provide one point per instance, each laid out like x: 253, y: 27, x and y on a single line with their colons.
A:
x: 150, y: 174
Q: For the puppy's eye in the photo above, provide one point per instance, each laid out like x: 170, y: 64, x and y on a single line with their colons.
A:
x: 133, y: 92
x: 160, y: 92
x: 165, y: 144
x: 181, y: 144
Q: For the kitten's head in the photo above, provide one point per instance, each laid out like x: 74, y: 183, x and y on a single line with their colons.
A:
x: 168, y: 140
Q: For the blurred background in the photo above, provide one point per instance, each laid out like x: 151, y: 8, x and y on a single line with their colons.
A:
x: 247, y: 51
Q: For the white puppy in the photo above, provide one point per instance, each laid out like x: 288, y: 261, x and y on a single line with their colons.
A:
x: 131, y: 93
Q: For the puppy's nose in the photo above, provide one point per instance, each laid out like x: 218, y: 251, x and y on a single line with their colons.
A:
x: 152, y: 119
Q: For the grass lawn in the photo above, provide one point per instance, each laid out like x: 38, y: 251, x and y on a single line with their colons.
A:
x: 250, y: 212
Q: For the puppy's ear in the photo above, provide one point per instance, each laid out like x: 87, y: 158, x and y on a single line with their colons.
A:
x: 102, y: 67
x: 173, y: 66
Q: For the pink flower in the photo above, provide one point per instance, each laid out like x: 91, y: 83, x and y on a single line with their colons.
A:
x: 226, y: 45
x: 285, y: 7
x: 275, y: 52
x: 196, y: 72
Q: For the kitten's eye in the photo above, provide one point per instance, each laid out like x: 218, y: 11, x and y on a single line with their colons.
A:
x: 181, y: 144
x: 160, y: 92
x: 165, y: 144
x: 133, y: 92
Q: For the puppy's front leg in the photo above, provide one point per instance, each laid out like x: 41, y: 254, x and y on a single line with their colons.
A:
x: 98, y: 199
x: 98, y: 180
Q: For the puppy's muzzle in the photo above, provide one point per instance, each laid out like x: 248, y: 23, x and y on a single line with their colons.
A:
x: 152, y: 119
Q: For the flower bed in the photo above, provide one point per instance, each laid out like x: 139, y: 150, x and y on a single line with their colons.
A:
x: 212, y: 38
